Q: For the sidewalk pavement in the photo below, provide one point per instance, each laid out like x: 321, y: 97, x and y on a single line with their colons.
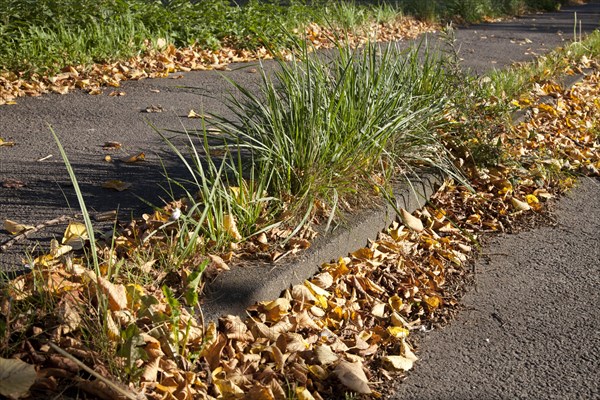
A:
x: 530, y: 328
x: 84, y: 123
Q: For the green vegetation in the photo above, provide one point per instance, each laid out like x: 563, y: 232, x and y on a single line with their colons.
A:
x: 44, y: 36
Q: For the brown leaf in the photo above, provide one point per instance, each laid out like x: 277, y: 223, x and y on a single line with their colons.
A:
x: 230, y: 226
x: 12, y: 183
x: 135, y: 158
x: 116, y: 294
x: 111, y: 145
x: 397, y: 362
x: 116, y: 184
x: 16, y: 377
x: 325, y: 355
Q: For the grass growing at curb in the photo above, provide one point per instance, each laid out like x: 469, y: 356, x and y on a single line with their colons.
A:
x: 321, y: 128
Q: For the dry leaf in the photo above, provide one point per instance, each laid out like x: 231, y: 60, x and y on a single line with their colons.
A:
x: 230, y: 226
x: 398, y: 362
x: 325, y: 355
x: 116, y: 294
x: 410, y: 221
x: 194, y: 114
x: 16, y: 377
x: 111, y: 145
x: 520, y: 205
x: 351, y: 374
x: 15, y: 228
x: 302, y: 393
x: 75, y: 235
x: 116, y: 184
x: 6, y: 143
x: 135, y: 158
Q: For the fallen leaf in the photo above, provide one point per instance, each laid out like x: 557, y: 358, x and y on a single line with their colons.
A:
x: 15, y: 228
x: 302, y: 393
x: 411, y: 221
x: 111, y: 145
x: 194, y: 114
x: 325, y: 355
x: 154, y: 109
x: 520, y: 205
x: 230, y: 226
x: 398, y: 362
x: 6, y: 143
x: 75, y: 235
x: 135, y: 158
x: 116, y: 184
x: 351, y: 374
x: 16, y: 377
x: 12, y: 183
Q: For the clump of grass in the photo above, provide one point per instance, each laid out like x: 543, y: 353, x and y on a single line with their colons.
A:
x: 323, y: 126
x: 224, y: 201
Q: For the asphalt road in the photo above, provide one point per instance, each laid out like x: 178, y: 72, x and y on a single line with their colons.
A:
x: 531, y: 328
x: 84, y: 123
x: 531, y: 324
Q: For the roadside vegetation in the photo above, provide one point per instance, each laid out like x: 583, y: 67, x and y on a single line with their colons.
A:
x: 48, y: 35
x: 322, y: 136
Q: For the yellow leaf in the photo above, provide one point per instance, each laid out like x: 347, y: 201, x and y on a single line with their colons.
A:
x: 433, y: 301
x: 75, y: 235
x: 411, y: 221
x: 395, y: 302
x: 531, y: 199
x: 134, y: 294
x: 15, y: 228
x: 16, y: 377
x: 230, y: 226
x: 302, y: 393
x: 135, y: 158
x: 397, y: 362
x: 397, y: 331
x: 112, y: 329
x: 116, y: 184
x: 6, y: 143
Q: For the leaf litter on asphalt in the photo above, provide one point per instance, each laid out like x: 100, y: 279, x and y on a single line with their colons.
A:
x: 166, y: 59
x: 348, y: 328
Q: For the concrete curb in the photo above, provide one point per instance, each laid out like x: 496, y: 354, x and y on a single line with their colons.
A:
x: 231, y: 292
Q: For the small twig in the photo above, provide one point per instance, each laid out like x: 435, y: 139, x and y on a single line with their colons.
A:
x: 45, y: 158
x: 90, y: 371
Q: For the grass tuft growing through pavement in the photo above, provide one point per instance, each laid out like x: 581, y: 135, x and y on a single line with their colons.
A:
x: 322, y: 127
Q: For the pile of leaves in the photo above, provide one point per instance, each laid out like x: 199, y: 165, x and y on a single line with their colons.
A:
x: 163, y: 58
